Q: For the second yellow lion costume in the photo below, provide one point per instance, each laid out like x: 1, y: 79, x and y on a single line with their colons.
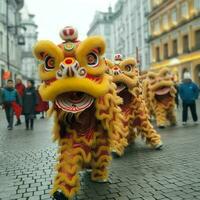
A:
x: 135, y: 116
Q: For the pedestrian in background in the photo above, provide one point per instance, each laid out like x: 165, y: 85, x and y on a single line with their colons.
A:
x: 29, y: 102
x: 19, y: 86
x: 42, y: 106
x: 189, y: 93
x: 1, y: 96
x: 10, y: 100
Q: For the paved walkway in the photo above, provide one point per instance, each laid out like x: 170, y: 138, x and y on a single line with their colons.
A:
x: 27, y: 159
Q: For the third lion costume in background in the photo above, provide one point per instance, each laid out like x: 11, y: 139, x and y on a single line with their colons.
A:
x: 159, y: 92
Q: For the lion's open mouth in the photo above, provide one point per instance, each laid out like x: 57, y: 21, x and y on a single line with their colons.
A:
x: 162, y: 91
x: 74, y: 101
x: 120, y: 87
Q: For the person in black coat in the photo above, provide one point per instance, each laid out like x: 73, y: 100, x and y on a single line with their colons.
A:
x: 29, y: 102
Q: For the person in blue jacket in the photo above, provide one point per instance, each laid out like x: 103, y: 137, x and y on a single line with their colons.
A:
x: 189, y: 93
x: 9, y: 96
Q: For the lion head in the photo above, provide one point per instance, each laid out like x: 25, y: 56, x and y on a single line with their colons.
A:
x: 161, y: 85
x: 73, y: 72
x: 125, y: 76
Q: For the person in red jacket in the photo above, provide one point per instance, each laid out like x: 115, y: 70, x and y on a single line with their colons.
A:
x: 20, y: 89
x: 42, y: 106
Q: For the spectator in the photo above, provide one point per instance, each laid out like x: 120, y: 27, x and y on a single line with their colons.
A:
x: 42, y: 106
x: 20, y: 89
x: 1, y: 96
x: 10, y: 100
x: 29, y: 103
x: 189, y: 92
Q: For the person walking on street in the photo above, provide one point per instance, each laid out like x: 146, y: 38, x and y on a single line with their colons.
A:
x: 29, y: 102
x: 1, y: 96
x: 20, y: 89
x: 10, y: 100
x: 189, y: 93
x: 42, y: 106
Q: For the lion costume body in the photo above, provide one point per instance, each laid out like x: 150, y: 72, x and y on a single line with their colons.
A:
x: 85, y: 106
x: 159, y: 93
x: 135, y: 116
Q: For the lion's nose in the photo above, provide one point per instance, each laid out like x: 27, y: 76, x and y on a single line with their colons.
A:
x: 116, y: 71
x: 69, y: 68
x: 69, y: 61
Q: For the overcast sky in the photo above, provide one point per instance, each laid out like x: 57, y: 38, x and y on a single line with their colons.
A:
x: 52, y: 15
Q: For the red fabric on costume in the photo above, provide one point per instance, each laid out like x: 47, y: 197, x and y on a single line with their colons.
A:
x: 20, y: 88
x: 42, y: 106
x: 17, y: 109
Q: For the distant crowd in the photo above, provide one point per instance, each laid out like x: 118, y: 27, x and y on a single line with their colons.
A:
x: 17, y: 99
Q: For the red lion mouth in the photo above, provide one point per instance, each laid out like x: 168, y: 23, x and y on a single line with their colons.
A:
x: 162, y: 91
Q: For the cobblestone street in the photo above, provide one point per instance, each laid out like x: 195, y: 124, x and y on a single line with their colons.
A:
x: 27, y: 159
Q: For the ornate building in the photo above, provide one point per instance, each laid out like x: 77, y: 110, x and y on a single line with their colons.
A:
x: 10, y: 52
x: 175, y: 36
x: 125, y: 30
x: 29, y: 64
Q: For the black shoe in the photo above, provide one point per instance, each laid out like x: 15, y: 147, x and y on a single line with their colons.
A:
x: 10, y: 128
x: 59, y: 196
x: 42, y: 117
x: 18, y: 123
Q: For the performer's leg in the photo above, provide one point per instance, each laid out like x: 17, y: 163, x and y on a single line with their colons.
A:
x: 100, y: 158
x: 161, y: 118
x: 66, y: 182
x: 149, y: 133
x: 172, y: 117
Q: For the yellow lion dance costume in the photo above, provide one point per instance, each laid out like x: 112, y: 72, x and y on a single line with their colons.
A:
x: 85, y: 106
x: 135, y: 116
x: 159, y: 93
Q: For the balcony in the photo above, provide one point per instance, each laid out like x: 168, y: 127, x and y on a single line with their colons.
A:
x: 182, y: 23
x: 196, y: 48
x: 158, y: 8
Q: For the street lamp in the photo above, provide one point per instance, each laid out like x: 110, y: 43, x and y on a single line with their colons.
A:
x: 21, y: 39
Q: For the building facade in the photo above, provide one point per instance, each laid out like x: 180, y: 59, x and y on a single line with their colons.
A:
x: 29, y: 63
x: 175, y: 36
x: 10, y: 52
x: 125, y: 30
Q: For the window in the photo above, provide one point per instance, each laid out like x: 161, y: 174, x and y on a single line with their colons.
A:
x: 197, y: 5
x: 165, y: 51
x: 157, y: 53
x: 185, y: 44
x: 197, y: 39
x: 165, y: 22
x: 156, y: 27
x: 107, y: 29
x: 175, y: 47
x: 2, y: 6
x: 1, y: 41
x: 174, y: 17
x: 184, y: 9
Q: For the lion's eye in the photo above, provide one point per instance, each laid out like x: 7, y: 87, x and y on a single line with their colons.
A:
x: 151, y: 77
x: 92, y: 59
x: 166, y: 74
x: 129, y: 68
x: 49, y: 63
